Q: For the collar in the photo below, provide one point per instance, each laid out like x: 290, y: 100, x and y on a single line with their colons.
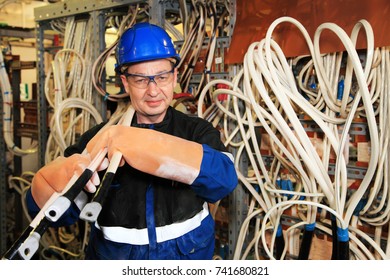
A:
x: 157, y: 126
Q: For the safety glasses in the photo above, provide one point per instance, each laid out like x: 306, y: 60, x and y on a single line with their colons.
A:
x: 142, y: 81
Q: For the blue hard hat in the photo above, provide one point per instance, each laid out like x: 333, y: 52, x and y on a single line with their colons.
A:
x: 143, y: 42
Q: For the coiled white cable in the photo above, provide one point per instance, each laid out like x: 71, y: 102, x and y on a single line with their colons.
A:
x: 268, y: 74
x: 71, y: 69
x: 99, y: 64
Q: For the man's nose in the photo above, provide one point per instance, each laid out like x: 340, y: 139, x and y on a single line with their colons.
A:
x: 152, y: 88
x: 152, y: 80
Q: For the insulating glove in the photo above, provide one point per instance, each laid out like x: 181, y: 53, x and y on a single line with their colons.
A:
x: 150, y: 151
x: 54, y: 176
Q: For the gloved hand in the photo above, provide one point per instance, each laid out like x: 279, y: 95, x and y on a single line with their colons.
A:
x: 150, y: 151
x: 54, y: 176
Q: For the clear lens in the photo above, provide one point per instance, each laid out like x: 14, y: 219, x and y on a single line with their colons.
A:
x: 142, y: 82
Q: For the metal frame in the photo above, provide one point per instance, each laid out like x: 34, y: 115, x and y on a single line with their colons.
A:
x: 74, y: 7
x: 15, y: 68
x: 3, y: 185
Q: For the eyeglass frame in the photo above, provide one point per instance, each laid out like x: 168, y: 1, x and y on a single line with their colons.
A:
x: 151, y: 77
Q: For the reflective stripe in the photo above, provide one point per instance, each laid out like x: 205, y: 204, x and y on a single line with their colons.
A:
x: 164, y: 233
x: 229, y: 155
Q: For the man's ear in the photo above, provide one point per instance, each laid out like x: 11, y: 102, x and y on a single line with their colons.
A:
x: 175, y: 75
x: 124, y: 80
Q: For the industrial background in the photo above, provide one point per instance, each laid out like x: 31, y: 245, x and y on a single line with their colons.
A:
x: 299, y: 90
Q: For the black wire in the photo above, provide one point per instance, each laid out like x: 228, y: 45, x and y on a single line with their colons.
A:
x: 334, y: 239
x: 279, y: 242
x: 306, y: 244
x: 343, y: 250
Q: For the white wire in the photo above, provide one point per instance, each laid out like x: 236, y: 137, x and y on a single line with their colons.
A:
x: 266, y: 90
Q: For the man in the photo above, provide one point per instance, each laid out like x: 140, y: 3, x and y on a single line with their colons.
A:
x: 172, y: 164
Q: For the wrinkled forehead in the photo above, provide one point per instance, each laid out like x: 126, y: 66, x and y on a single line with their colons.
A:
x: 167, y: 63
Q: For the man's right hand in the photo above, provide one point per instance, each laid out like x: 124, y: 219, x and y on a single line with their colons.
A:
x: 54, y: 176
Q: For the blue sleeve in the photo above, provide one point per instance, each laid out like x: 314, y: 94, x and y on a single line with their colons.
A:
x: 217, y: 177
x: 68, y: 218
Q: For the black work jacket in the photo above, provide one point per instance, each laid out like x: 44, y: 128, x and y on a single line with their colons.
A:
x: 173, y: 201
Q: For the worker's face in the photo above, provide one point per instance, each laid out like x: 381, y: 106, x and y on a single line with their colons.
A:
x: 150, y: 102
